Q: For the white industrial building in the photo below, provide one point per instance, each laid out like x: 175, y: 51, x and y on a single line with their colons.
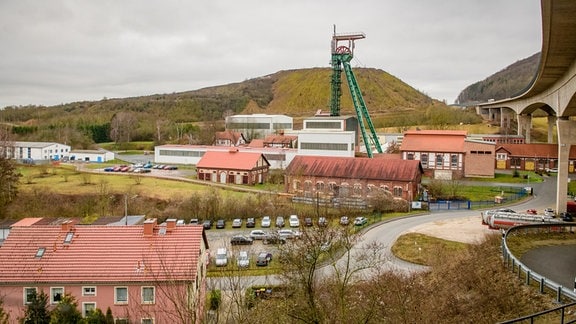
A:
x: 98, y: 156
x: 31, y: 152
x: 321, y: 136
x: 279, y: 158
x: 259, y: 125
x: 328, y: 136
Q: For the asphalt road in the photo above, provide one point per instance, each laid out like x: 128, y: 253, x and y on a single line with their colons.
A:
x: 556, y: 263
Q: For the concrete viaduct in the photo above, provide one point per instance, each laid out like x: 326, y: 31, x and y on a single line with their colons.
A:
x: 552, y: 90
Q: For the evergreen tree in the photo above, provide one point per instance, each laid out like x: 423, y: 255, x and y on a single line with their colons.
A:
x: 109, y: 317
x: 66, y: 312
x: 37, y: 311
x: 4, y: 317
x: 95, y: 317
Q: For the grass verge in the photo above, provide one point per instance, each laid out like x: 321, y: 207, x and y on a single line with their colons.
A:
x: 423, y: 249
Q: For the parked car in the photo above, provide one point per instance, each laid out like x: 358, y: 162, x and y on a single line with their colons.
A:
x: 344, y: 220
x: 552, y: 170
x: 250, y: 222
x: 194, y: 221
x: 221, y: 257
x: 279, y: 221
x: 266, y: 221
x: 308, y: 221
x: 567, y: 217
x: 322, y: 221
x: 263, y: 259
x: 549, y: 212
x: 243, y: 260
x: 109, y: 169
x: 180, y: 222
x: 241, y: 240
x: 293, y: 221
x: 289, y: 234
x: 220, y: 223
x: 258, y: 234
x: 532, y: 211
x: 207, y: 224
x: 360, y: 221
x: 237, y: 223
x: 273, y: 238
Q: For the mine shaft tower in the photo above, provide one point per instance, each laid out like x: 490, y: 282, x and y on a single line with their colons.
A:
x: 341, y: 57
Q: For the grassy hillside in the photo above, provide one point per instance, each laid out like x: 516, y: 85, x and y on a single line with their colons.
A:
x: 183, y: 117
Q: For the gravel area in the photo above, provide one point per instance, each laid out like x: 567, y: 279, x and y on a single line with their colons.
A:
x: 464, y: 229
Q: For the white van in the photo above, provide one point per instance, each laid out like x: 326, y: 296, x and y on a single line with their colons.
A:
x: 221, y: 257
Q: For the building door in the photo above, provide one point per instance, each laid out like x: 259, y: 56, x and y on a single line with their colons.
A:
x: 501, y: 164
x: 223, y: 177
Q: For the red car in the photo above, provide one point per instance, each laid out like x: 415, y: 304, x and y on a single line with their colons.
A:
x: 532, y: 211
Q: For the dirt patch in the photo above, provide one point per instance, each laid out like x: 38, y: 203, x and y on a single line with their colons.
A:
x: 465, y: 229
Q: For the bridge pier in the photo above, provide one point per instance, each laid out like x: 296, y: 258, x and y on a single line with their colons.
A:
x: 524, y: 126
x: 566, y: 138
x: 551, y: 123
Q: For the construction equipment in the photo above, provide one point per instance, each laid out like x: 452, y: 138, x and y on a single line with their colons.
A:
x: 341, y: 57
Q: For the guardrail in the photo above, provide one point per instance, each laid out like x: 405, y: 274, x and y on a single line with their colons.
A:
x: 516, y: 266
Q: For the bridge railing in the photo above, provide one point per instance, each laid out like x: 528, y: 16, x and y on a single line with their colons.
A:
x: 515, y: 265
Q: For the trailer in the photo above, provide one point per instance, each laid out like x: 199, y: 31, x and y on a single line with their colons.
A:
x: 505, y: 220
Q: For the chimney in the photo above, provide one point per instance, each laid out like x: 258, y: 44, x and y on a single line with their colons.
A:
x: 67, y: 226
x: 149, y: 225
x: 170, y: 224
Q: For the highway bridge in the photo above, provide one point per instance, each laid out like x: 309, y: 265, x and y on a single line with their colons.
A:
x: 552, y: 90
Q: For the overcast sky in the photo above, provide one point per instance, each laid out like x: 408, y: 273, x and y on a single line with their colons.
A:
x: 60, y: 51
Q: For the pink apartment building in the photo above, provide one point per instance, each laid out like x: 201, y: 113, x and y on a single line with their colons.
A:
x: 146, y: 273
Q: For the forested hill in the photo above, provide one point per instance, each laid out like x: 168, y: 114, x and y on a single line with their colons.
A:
x: 160, y: 117
x: 506, y: 83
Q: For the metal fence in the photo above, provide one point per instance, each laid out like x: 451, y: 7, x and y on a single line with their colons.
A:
x: 511, y: 194
x: 512, y: 263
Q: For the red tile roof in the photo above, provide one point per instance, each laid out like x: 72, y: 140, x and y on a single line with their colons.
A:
x: 229, y: 135
x: 355, y: 168
x: 28, y: 221
x: 231, y: 160
x: 540, y: 150
x: 433, y: 141
x: 100, y: 254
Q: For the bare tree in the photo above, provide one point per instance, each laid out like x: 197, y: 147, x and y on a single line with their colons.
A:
x: 9, y: 175
x: 121, y: 126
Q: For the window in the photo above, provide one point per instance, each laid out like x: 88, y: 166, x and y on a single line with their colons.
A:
x: 87, y: 308
x: 89, y: 291
x: 121, y: 321
x: 121, y: 295
x: 147, y: 295
x: 296, y: 185
x: 29, y: 293
x: 454, y: 160
x: 319, y: 186
x: 398, y: 191
x: 307, y: 185
x: 410, y: 156
x: 147, y: 321
x: 424, y: 160
x: 56, y: 294
x: 439, y: 160
x: 501, y: 156
x: 40, y: 252
x: 357, y: 189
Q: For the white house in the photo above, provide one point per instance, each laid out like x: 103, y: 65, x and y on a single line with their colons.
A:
x: 99, y: 156
x: 259, y: 125
x: 37, y: 151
